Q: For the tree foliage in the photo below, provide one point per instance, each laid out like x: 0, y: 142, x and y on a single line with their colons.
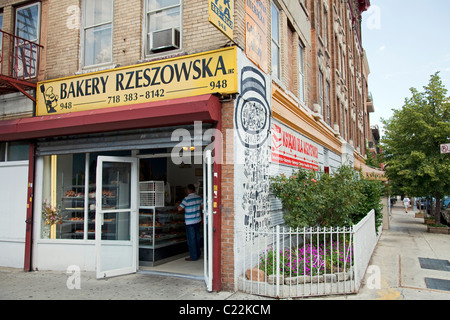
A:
x: 327, y: 200
x: 412, y: 142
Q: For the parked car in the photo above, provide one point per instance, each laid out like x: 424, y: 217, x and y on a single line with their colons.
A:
x: 430, y: 203
x: 445, y: 202
x: 445, y: 213
x: 423, y: 203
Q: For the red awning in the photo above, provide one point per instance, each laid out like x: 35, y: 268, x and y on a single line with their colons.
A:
x: 206, y: 108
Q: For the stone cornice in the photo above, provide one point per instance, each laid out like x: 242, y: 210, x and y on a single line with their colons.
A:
x: 288, y: 111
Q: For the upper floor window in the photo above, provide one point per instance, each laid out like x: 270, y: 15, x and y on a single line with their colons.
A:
x: 327, y: 95
x: 163, y: 25
x: 97, y: 32
x: 321, y: 91
x: 319, y: 17
x: 325, y: 28
x: 27, y: 27
x: 276, y: 62
x: 301, y: 73
x: 1, y: 27
x: 28, y: 21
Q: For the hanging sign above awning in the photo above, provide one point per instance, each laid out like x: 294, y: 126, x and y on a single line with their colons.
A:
x: 221, y: 15
x: 187, y: 76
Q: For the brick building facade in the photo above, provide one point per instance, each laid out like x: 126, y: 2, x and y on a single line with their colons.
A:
x: 298, y: 69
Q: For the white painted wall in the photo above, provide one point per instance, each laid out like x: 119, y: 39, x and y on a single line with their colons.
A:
x: 13, y: 213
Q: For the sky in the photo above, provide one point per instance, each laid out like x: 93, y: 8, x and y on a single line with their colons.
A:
x: 406, y: 41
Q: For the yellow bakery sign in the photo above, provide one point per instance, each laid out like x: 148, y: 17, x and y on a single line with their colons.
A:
x: 198, y: 74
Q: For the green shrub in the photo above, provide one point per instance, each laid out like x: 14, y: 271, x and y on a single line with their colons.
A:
x: 327, y: 200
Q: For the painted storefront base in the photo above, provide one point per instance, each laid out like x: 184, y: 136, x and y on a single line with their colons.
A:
x: 13, y: 212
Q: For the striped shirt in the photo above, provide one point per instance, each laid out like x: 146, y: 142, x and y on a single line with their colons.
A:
x: 192, y: 208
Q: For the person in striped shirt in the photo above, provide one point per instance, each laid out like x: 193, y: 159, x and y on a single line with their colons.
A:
x: 192, y: 205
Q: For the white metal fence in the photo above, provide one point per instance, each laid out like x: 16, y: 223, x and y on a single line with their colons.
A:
x: 285, y: 263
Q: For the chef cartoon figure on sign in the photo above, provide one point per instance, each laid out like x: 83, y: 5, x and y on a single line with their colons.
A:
x: 51, y: 99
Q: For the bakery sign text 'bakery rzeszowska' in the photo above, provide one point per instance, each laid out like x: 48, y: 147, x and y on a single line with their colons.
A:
x: 204, y: 73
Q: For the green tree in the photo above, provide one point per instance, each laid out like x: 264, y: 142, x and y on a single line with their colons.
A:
x: 412, y: 142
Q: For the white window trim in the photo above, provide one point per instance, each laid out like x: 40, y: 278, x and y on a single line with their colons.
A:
x: 321, y: 98
x: 301, y: 72
x: 83, y: 28
x: 39, y: 20
x: 6, y: 156
x: 145, y: 54
x: 1, y: 27
x: 328, y: 105
x: 277, y: 76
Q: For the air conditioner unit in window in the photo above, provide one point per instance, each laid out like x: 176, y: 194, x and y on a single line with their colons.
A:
x: 166, y: 39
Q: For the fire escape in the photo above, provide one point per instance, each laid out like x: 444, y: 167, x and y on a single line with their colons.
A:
x: 19, y: 64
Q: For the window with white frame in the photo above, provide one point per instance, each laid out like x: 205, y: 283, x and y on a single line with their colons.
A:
x: 318, y: 17
x: 163, y: 25
x: 276, y: 56
x: 97, y: 32
x: 27, y: 27
x: 1, y: 36
x: 301, y: 72
x: 321, y: 91
x: 328, y: 115
x: 325, y: 28
x: 13, y: 151
x: 343, y: 65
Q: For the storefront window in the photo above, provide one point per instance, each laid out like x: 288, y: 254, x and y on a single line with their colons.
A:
x: 69, y: 186
x: 14, y: 151
x: 65, y: 189
x: 2, y: 152
x: 18, y: 151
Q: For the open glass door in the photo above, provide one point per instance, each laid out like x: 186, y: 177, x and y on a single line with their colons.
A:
x: 208, y: 218
x: 116, y: 208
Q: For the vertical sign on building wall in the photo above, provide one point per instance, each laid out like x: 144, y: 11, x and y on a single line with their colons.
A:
x: 221, y: 15
x: 256, y: 32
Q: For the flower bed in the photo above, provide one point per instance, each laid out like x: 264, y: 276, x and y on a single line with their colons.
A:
x: 306, y: 270
x: 308, y: 259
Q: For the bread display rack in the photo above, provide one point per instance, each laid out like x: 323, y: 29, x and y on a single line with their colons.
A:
x: 161, y: 228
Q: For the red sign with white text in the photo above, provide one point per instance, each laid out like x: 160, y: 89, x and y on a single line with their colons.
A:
x: 292, y: 149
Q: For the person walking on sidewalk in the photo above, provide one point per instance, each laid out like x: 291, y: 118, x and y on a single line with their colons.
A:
x: 406, y: 203
x: 192, y: 206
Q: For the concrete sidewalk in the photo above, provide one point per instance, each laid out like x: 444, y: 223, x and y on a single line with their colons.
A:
x: 397, y: 257
x: 395, y: 274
